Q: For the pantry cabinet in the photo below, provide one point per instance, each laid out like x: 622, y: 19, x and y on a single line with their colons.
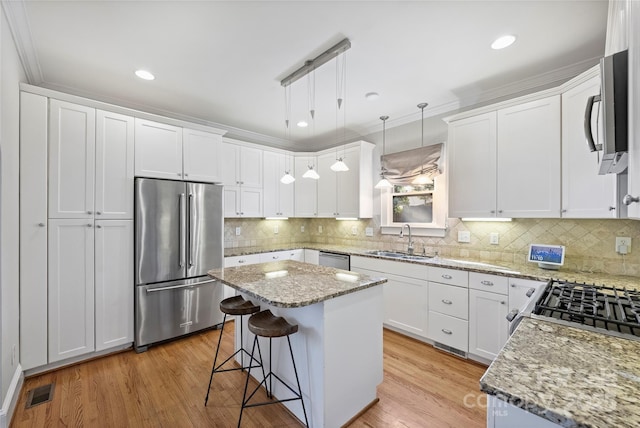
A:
x: 506, y: 163
x: 346, y: 194
x: 278, y: 197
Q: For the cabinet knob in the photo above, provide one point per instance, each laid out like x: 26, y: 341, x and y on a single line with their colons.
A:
x: 485, y: 282
x: 241, y: 261
x: 564, y: 211
x: 98, y: 213
x: 612, y: 208
x: 89, y: 212
x: 447, y: 302
x: 186, y: 175
x: 499, y: 211
x: 242, y: 182
x: 179, y: 174
x: 89, y: 225
x: 628, y: 199
x: 492, y: 211
x: 241, y: 213
x: 275, y: 257
x: 41, y: 224
x: 502, y: 302
x: 445, y: 331
x: 98, y: 226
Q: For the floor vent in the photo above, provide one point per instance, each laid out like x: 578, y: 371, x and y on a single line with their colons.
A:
x: 450, y: 350
x: 39, y: 395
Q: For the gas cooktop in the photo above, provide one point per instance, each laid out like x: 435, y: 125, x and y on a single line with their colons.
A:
x: 600, y: 308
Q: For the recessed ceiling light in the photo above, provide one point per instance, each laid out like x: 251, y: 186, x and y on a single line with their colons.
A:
x: 372, y: 96
x: 503, y: 41
x: 144, y: 74
x: 302, y: 124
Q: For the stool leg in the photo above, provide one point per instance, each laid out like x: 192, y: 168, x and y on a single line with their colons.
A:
x: 246, y: 383
x: 215, y: 358
x: 295, y: 370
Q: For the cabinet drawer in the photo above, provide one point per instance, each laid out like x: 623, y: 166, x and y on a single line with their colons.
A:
x: 249, y: 259
x: 491, y: 283
x: 449, y: 330
x: 449, y: 300
x: 449, y: 276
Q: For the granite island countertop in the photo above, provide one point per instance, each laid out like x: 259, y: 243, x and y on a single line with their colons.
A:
x: 291, y: 284
x: 570, y: 376
x: 501, y: 268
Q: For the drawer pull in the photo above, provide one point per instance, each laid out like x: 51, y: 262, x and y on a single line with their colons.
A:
x: 447, y: 302
x: 240, y: 261
x: 485, y: 282
x: 276, y: 257
x: 445, y: 331
x: 445, y: 276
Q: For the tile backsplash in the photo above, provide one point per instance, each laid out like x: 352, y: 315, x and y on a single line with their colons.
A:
x: 590, y: 244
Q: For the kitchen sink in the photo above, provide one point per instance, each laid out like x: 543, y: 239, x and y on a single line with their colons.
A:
x: 397, y: 255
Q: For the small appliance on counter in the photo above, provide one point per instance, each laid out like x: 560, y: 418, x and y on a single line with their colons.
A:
x: 547, y: 256
x: 178, y: 238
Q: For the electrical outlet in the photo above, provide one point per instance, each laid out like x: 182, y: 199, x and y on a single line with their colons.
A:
x: 623, y: 245
x: 464, y: 236
x: 354, y: 230
x: 276, y: 230
x: 319, y: 229
x: 494, y: 238
x: 368, y: 231
x: 302, y: 229
x: 238, y: 231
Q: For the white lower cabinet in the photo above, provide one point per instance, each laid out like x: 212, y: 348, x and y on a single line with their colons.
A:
x: 449, y: 307
x: 312, y: 256
x: 488, y: 327
x: 276, y: 256
x: 113, y: 279
x: 448, y: 330
x: 71, y: 288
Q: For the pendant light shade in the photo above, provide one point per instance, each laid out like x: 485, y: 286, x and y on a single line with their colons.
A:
x: 422, y: 178
x: 311, y: 173
x: 339, y: 166
x: 383, y: 183
x: 287, y: 178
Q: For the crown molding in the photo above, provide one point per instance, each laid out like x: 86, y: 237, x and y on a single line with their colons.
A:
x: 15, y: 11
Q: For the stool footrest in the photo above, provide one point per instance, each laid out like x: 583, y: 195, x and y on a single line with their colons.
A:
x: 251, y: 358
x: 264, y: 382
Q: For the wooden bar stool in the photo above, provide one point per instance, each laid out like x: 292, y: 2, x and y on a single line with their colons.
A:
x: 237, y: 306
x: 265, y: 324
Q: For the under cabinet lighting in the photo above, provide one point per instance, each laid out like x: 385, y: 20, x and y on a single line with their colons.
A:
x: 276, y: 218
x: 346, y: 218
x: 495, y: 219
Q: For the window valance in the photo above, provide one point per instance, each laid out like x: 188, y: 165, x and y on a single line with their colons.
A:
x: 404, y: 167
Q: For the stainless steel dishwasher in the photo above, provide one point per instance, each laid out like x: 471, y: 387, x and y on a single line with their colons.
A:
x: 338, y: 261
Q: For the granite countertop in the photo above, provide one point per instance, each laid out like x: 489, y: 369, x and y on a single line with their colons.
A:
x: 529, y: 271
x: 573, y: 377
x: 291, y: 284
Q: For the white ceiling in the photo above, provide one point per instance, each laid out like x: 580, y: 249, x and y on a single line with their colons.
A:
x: 221, y: 62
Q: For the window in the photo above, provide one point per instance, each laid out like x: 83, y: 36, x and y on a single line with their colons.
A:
x: 412, y: 204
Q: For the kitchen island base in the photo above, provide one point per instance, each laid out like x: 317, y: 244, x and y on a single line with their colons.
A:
x: 338, y: 352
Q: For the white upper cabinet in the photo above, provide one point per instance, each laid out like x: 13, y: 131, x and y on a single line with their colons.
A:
x: 201, y: 156
x: 72, y: 142
x: 633, y: 195
x: 278, y: 197
x: 472, y: 170
x: 242, y: 178
x: 585, y: 193
x: 114, y: 166
x: 158, y: 150
x: 528, y: 178
x: 306, y: 189
x: 349, y: 193
x: 506, y: 163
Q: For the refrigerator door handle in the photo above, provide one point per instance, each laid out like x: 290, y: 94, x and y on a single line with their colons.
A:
x: 174, y: 287
x: 191, y: 235
x: 182, y: 221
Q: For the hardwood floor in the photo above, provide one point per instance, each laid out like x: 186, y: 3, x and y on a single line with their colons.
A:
x: 166, y: 386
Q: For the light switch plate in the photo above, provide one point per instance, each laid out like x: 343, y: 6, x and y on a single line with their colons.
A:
x: 494, y: 238
x: 319, y: 229
x: 238, y: 231
x: 354, y: 230
x: 275, y: 230
x: 302, y: 229
x: 368, y: 231
x: 464, y: 236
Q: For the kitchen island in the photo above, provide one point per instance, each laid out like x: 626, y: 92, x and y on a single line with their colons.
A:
x: 338, y: 347
x: 551, y: 375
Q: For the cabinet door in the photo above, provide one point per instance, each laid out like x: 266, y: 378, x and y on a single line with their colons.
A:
x: 251, y: 167
x: 405, y: 304
x: 72, y: 141
x: 231, y: 202
x: 312, y: 256
x: 634, y: 109
x: 585, y: 194
x: 271, y: 173
x: 348, y: 185
x: 201, y: 156
x: 33, y: 230
x: 286, y: 191
x: 114, y: 166
x: 158, y: 150
x: 250, y: 202
x: 306, y: 189
x: 327, y: 186
x: 230, y: 169
x: 528, y: 177
x: 71, y: 290
x: 488, y: 326
x: 472, y: 166
x: 113, y: 283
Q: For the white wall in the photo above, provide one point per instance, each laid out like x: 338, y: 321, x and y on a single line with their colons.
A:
x: 11, y: 73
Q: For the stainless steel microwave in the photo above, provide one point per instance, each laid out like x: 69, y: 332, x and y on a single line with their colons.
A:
x: 613, y: 96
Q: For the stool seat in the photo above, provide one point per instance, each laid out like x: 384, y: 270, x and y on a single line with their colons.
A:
x: 266, y: 324
x: 236, y: 305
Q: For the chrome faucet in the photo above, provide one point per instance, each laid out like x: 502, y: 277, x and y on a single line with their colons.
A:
x: 410, y: 244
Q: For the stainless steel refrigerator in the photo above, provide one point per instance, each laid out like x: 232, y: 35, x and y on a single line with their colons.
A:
x: 178, y: 238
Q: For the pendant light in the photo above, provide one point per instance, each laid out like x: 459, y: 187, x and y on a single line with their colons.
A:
x: 383, y: 183
x: 311, y: 98
x: 341, y: 74
x: 311, y: 173
x: 423, y: 178
x: 287, y: 178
